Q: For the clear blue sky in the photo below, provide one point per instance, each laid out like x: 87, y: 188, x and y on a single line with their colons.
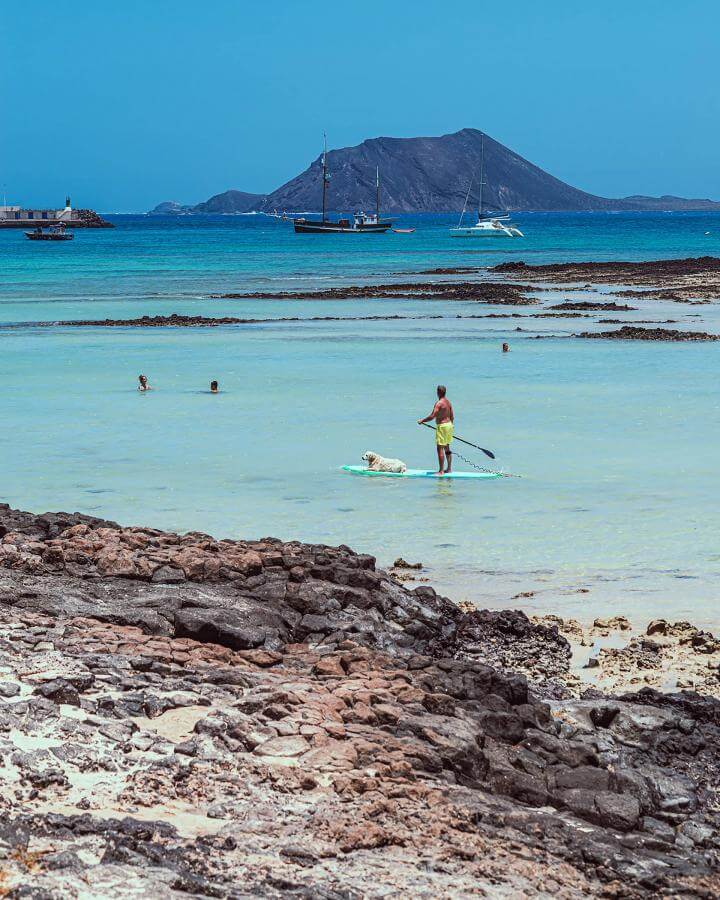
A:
x: 125, y: 104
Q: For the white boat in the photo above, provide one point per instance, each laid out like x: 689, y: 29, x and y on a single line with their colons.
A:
x: 498, y: 226
x: 486, y: 226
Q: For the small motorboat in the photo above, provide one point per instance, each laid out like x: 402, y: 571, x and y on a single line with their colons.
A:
x: 54, y: 233
x: 403, y: 230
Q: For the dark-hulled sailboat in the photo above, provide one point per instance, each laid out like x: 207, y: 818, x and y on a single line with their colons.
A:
x: 362, y: 223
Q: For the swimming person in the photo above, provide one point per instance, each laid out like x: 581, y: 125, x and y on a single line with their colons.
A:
x: 444, y: 417
x: 214, y: 387
x: 143, y: 386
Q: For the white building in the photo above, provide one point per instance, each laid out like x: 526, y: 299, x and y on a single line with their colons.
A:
x: 17, y: 216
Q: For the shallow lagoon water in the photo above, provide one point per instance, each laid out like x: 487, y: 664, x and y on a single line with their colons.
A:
x: 616, y: 443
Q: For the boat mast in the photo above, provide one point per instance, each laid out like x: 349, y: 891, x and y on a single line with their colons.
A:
x: 482, y: 173
x: 377, y: 193
x: 325, y: 176
x: 467, y: 197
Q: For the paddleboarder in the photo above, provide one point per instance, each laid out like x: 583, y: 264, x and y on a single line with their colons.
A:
x: 444, y: 417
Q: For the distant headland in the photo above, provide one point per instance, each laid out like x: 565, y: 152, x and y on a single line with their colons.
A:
x: 429, y: 174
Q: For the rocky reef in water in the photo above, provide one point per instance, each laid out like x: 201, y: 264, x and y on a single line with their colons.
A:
x: 639, y: 272
x: 634, y: 333
x: 695, y: 279
x: 186, y: 716
x: 481, y: 292
x: 175, y: 320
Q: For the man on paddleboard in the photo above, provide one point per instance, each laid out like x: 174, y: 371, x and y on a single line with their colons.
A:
x: 444, y: 420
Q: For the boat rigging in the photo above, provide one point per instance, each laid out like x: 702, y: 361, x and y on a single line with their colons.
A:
x: 486, y: 226
x: 362, y: 222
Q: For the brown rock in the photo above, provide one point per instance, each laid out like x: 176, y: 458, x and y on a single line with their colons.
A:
x: 292, y: 745
x: 262, y: 658
x: 249, y: 563
x: 76, y: 531
x: 211, y: 568
x: 329, y: 666
x: 331, y: 755
x: 366, y: 836
x: 115, y: 563
x: 192, y: 563
x: 54, y: 556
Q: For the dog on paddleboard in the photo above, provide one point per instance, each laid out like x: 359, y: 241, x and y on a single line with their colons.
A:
x: 377, y: 463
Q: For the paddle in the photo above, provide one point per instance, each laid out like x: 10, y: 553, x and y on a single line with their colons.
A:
x: 463, y: 441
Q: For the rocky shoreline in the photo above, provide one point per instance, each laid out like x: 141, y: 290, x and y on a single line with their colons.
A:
x: 185, y: 716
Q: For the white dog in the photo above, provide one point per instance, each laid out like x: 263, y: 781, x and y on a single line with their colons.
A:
x: 377, y: 463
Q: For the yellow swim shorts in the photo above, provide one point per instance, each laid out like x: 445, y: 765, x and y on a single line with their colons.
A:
x: 444, y: 434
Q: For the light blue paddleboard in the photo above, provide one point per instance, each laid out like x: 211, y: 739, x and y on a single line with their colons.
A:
x: 419, y: 473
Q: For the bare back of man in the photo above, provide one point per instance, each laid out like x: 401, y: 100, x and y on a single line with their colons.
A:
x: 444, y: 418
x: 443, y: 411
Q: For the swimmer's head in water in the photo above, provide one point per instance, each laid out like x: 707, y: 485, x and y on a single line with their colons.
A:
x: 214, y: 387
x: 143, y: 380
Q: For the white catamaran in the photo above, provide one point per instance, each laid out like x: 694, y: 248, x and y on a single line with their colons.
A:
x: 486, y: 226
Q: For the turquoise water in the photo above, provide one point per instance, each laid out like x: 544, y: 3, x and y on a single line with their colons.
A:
x: 616, y: 443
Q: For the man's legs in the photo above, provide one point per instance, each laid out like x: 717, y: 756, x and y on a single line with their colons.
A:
x: 448, y: 456
x: 441, y: 459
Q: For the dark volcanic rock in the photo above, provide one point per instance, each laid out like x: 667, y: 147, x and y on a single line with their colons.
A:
x: 692, y: 280
x: 589, y: 305
x: 225, y: 627
x: 46, y: 526
x: 633, y: 333
x: 646, y: 272
x: 88, y: 218
x: 509, y: 640
x: 174, y: 320
x: 478, y: 291
x: 60, y: 691
x: 347, y: 735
